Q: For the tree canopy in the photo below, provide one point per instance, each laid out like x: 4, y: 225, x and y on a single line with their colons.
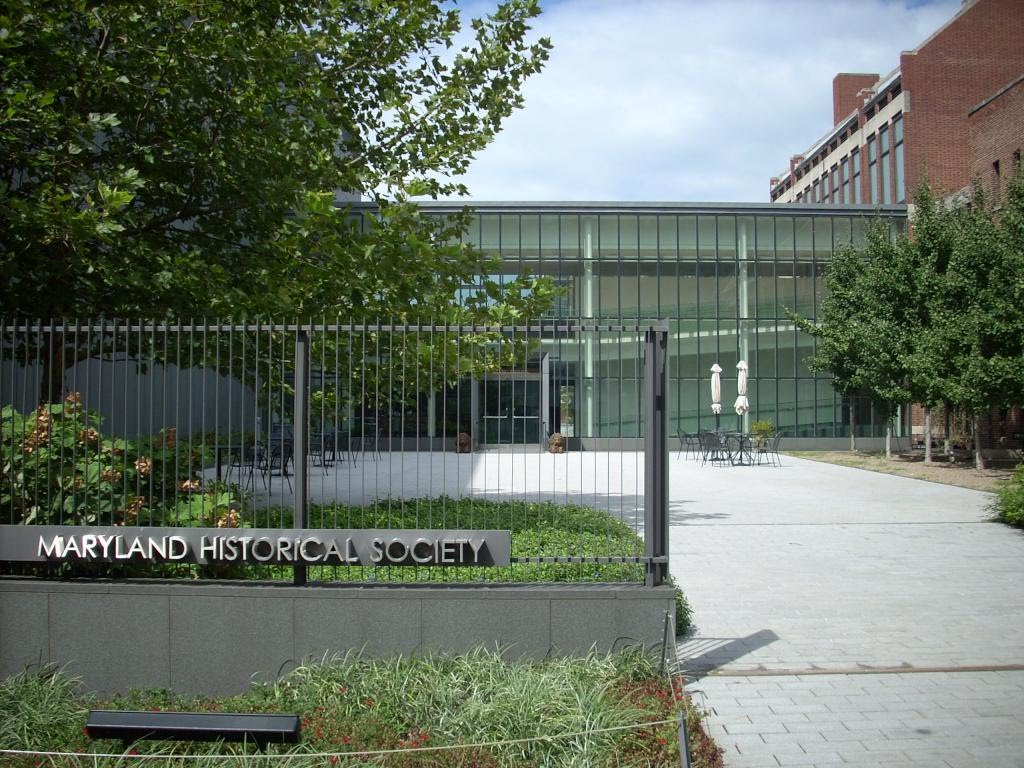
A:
x: 933, y: 316
x: 181, y: 158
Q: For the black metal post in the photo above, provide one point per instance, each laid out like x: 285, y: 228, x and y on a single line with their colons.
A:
x: 300, y: 445
x: 656, y: 453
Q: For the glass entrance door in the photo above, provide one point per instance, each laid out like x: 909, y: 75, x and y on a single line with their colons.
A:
x: 511, y: 411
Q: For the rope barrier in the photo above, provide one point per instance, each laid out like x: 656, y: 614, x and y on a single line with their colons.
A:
x: 365, y: 753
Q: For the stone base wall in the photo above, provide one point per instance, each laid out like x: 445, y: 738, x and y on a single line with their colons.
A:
x: 216, y: 638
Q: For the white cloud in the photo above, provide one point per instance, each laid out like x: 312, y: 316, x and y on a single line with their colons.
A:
x: 691, y: 100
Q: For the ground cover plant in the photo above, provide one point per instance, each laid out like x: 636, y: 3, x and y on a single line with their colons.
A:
x: 559, y: 712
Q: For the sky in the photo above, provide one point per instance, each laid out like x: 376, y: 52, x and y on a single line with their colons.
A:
x: 686, y: 100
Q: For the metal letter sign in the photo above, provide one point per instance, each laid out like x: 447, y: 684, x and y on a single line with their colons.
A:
x: 327, y: 546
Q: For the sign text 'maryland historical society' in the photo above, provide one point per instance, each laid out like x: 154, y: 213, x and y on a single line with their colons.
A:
x: 369, y: 547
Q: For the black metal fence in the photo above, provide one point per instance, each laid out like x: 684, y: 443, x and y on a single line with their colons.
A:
x: 332, y: 425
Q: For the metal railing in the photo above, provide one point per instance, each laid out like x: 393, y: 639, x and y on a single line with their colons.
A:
x: 333, y: 425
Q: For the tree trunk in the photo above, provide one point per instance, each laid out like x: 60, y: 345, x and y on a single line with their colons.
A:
x: 947, y: 443
x: 979, y: 459
x: 927, y: 435
x: 888, y: 439
x: 853, y: 428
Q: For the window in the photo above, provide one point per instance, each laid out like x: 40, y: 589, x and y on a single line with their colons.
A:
x: 1016, y: 160
x: 824, y: 187
x: 855, y: 162
x: 834, y: 177
x: 897, y: 138
x: 883, y: 139
x: 873, y: 168
x: 845, y: 171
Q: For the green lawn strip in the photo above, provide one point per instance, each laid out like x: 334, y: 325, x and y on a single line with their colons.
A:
x: 549, y: 713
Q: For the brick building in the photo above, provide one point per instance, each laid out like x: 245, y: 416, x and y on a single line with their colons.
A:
x: 949, y: 112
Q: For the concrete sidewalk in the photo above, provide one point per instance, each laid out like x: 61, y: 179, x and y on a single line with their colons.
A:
x: 850, y: 618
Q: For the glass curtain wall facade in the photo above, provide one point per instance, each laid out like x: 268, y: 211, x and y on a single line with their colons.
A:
x: 724, y: 278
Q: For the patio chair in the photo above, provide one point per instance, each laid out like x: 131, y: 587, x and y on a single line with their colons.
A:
x: 770, y: 450
x: 276, y: 461
x: 245, y: 458
x: 689, y: 443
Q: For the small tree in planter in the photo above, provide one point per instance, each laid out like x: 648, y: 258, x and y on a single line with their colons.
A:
x: 762, y: 431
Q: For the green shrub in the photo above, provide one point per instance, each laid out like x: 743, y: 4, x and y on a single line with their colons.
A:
x: 1009, y: 502
x: 59, y: 469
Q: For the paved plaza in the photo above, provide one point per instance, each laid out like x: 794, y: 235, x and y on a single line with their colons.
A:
x: 850, y: 618
x: 843, y: 617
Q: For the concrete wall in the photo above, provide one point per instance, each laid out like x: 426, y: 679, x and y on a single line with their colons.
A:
x: 216, y: 638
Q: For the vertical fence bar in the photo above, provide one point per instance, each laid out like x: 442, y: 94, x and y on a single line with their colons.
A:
x: 300, y: 436
x: 656, y: 452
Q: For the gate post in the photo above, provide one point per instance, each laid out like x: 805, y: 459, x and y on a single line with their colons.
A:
x: 656, y: 453
x: 300, y: 442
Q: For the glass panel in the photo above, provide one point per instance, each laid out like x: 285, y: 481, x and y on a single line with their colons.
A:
x: 840, y: 232
x: 764, y: 405
x: 784, y: 237
x: 649, y: 237
x: 804, y: 239
x: 823, y: 237
x: 685, y: 407
x: 764, y: 356
x: 804, y: 289
x: 786, y: 360
x: 826, y: 410
x: 765, y: 237
x: 785, y: 420
x: 608, y: 245
x: 708, y: 288
x: 570, y: 236
x: 804, y: 351
x: 667, y: 238
x: 820, y: 291
x: 489, y: 233
x: 706, y: 236
x: 708, y: 340
x: 472, y: 235
x: 687, y: 287
x: 726, y: 237
x: 549, y: 235
x: 628, y: 237
x: 510, y: 235
x: 529, y: 225
x: 688, y: 237
x: 855, y: 162
x: 606, y: 294
x: 685, y: 361
x: 859, y: 227
x: 651, y: 301
x: 901, y: 192
x: 766, y: 306
x: 727, y: 306
x: 805, y: 389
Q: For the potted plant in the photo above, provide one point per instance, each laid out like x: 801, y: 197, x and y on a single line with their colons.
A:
x: 762, y: 432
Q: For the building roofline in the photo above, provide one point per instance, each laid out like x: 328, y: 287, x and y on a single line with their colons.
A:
x: 594, y: 207
x: 966, y: 6
x: 881, y: 87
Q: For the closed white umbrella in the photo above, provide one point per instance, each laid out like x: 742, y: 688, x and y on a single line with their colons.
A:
x: 742, y: 405
x: 716, y: 388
